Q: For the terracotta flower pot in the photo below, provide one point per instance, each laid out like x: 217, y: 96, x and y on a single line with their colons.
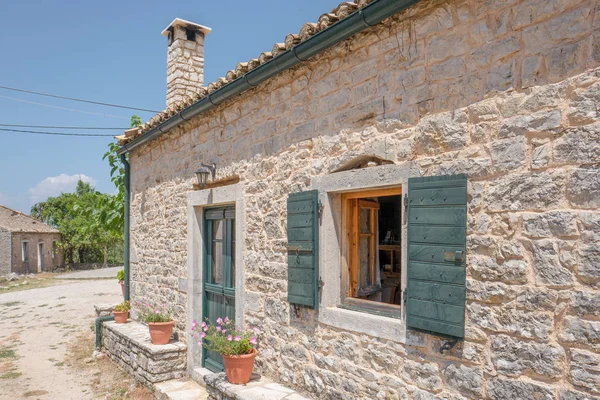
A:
x: 122, y: 283
x: 239, y: 368
x: 160, y: 332
x: 121, y: 316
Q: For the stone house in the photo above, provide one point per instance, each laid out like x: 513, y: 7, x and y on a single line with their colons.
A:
x: 405, y: 200
x: 26, y: 244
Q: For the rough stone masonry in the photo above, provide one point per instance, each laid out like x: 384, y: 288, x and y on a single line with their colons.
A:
x: 505, y: 91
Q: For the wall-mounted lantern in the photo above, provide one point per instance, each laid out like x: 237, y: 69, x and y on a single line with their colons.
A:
x: 202, y: 174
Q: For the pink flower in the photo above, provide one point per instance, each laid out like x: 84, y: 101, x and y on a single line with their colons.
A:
x: 226, y: 319
x: 252, y: 340
x: 156, y: 311
x: 256, y: 330
x: 219, y: 328
x: 203, y: 324
x: 200, y: 342
x: 219, y: 321
x: 194, y: 324
x: 237, y: 338
x: 205, y: 328
x: 224, y: 330
x: 202, y: 335
x: 230, y: 338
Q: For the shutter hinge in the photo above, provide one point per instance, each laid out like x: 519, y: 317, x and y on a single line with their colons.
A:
x: 320, y: 211
x: 406, y: 202
x: 404, y: 296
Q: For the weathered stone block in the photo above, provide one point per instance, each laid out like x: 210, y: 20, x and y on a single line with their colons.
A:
x: 514, y: 357
x: 525, y: 192
x: 580, y: 145
x: 464, y: 379
x: 553, y: 223
x: 531, y: 325
x: 585, y: 370
x: 533, y: 299
x: 502, y: 389
x: 442, y: 132
x: 547, y: 265
x: 584, y: 188
x: 485, y: 268
x: 508, y: 154
x: 588, y: 268
x: 490, y: 292
x: 542, y: 121
x: 585, y: 303
x: 567, y: 394
x: 578, y: 331
x: 423, y: 374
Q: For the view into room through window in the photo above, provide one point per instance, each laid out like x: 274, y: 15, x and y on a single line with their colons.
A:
x: 373, y: 221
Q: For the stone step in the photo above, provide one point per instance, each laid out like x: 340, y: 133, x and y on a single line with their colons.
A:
x: 180, y: 389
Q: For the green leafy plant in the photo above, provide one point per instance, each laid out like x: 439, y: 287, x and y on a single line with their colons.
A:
x: 224, y: 337
x: 124, y: 306
x: 150, y: 313
x: 121, y: 275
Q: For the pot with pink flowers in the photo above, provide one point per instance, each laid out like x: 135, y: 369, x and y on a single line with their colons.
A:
x: 159, y: 320
x: 236, y: 345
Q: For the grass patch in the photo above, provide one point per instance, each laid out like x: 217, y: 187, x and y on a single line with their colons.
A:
x: 11, y: 303
x: 10, y: 375
x: 33, y: 393
x: 8, y: 353
x: 40, y: 281
x: 109, y: 381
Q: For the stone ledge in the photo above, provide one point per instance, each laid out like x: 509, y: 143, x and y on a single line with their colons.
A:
x: 130, y: 347
x: 259, y: 387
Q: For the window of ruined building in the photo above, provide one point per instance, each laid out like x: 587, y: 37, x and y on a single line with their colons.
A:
x: 372, y: 230
x: 54, y: 248
x: 25, y: 250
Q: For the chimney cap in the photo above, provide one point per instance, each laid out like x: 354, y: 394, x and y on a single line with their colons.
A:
x: 182, y: 22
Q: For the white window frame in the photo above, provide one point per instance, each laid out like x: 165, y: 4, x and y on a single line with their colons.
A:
x: 333, y: 271
x: 24, y: 254
x: 197, y: 201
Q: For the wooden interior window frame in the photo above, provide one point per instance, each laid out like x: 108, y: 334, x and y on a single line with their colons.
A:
x: 351, y: 204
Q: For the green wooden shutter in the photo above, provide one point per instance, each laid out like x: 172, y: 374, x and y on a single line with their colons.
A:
x: 303, y: 248
x: 437, y: 220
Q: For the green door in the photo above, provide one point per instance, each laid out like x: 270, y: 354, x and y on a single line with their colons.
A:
x: 219, y: 273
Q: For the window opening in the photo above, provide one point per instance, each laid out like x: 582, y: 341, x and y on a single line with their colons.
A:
x: 25, y: 250
x: 373, y: 231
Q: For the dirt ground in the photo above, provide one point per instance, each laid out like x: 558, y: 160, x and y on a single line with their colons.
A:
x: 46, y: 343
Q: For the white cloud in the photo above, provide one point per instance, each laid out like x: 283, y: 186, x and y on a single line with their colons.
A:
x: 55, y: 185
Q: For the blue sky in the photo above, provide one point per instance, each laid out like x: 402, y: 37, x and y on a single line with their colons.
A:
x: 109, y: 52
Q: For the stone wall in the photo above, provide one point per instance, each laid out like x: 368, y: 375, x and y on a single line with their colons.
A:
x: 49, y: 263
x: 130, y: 347
x: 503, y: 91
x: 5, y: 253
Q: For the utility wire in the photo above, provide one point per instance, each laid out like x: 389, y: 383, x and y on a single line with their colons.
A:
x: 80, y: 100
x: 57, y: 133
x: 64, y: 108
x: 63, y: 127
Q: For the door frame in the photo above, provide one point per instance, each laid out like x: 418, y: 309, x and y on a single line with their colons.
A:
x: 40, y: 256
x: 225, y: 289
x: 193, y: 283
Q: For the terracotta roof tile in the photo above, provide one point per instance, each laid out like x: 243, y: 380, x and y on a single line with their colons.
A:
x: 15, y: 221
x: 308, y: 29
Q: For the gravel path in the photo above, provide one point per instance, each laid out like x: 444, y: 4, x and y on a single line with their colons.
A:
x: 40, y: 324
x: 102, y: 273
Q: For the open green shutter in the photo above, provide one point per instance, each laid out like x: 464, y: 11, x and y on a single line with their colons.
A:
x: 437, y: 244
x: 303, y: 247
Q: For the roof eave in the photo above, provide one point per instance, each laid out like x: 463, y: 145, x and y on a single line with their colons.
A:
x: 356, y: 22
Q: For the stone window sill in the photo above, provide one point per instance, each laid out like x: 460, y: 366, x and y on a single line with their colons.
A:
x: 364, y: 322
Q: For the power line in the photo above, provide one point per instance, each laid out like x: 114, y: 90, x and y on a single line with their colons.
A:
x: 64, y: 108
x: 57, y: 133
x: 74, y: 99
x: 63, y: 127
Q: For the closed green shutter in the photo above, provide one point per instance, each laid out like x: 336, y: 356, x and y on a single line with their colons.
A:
x: 437, y: 237
x: 303, y: 247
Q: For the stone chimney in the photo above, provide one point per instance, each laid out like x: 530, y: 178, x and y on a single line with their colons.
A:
x: 185, y: 59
